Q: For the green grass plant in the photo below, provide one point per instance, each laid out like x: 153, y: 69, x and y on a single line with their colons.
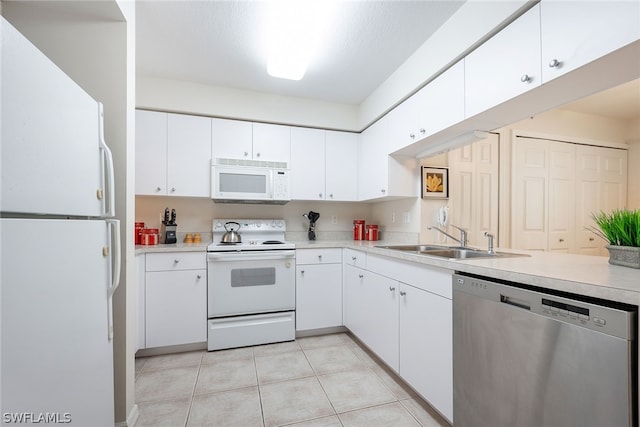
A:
x: 620, y: 227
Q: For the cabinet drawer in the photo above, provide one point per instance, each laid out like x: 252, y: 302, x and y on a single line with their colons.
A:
x: 176, y: 261
x: 355, y: 258
x: 318, y: 256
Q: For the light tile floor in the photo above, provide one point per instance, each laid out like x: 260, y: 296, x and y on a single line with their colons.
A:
x: 327, y: 381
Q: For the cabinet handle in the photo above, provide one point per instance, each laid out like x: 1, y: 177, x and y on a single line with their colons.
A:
x: 591, y: 239
x: 319, y: 257
x: 199, y: 277
x: 560, y: 240
x: 391, y: 288
x: 331, y: 196
x: 175, y: 261
x: 423, y: 131
x: 383, y: 191
x: 412, y: 135
x: 158, y: 189
x: 402, y: 293
x: 246, y: 154
x: 173, y: 189
x: 353, y: 258
x: 554, y: 63
x: 320, y: 195
x: 302, y: 272
x: 258, y: 155
x: 525, y: 78
x: 361, y: 276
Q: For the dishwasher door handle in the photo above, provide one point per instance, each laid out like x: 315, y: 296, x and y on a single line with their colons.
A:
x: 516, y: 302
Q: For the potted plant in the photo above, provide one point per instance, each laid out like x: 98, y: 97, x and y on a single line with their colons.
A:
x: 621, y: 228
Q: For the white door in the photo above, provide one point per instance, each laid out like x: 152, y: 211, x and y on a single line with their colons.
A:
x: 318, y: 296
x: 562, y: 212
x: 50, y: 130
x: 56, y: 352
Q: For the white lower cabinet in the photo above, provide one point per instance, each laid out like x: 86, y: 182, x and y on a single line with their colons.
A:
x: 403, y: 312
x: 318, y: 288
x: 175, y: 299
x: 426, y: 348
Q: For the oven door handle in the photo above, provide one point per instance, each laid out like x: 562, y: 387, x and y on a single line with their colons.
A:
x: 250, y: 255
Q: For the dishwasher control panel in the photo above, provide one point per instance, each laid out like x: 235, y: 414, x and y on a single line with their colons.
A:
x: 605, y: 316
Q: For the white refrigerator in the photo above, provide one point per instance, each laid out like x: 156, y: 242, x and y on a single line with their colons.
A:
x: 59, y: 245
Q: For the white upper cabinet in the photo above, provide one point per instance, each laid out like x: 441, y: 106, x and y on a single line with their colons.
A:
x: 341, y: 166
x: 235, y: 139
x: 271, y: 143
x: 231, y: 139
x: 188, y: 156
x: 576, y: 33
x: 307, y: 164
x: 433, y: 108
x: 151, y: 153
x: 173, y: 153
x: 505, y: 66
x: 324, y: 165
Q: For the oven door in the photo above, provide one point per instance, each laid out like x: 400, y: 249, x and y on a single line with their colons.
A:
x: 250, y: 282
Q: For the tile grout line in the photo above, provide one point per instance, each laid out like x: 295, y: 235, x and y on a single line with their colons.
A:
x: 193, y: 392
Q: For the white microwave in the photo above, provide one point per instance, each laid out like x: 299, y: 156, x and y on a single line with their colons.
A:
x: 259, y: 183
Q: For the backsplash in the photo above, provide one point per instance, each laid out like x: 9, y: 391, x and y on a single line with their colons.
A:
x: 194, y: 215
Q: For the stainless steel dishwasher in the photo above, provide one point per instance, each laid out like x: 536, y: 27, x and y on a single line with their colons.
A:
x: 525, y: 357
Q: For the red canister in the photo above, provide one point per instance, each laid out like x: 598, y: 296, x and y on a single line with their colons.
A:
x: 372, y: 232
x: 137, y: 235
x: 358, y: 229
x: 149, y: 236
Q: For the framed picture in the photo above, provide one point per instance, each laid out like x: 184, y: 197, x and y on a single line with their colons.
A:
x: 435, y: 183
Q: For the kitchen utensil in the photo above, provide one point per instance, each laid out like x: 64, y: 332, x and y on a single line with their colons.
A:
x: 231, y: 236
x: 166, y: 216
x: 173, y: 217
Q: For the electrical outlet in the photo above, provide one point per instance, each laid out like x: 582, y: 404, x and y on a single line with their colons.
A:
x: 393, y: 217
x: 406, y: 217
x: 334, y: 219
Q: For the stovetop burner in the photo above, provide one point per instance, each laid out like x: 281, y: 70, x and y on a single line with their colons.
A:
x: 272, y: 242
x: 256, y: 234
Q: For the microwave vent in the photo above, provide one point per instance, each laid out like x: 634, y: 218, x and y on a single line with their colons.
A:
x: 253, y: 163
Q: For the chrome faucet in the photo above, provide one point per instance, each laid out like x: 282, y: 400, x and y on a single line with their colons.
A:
x: 490, y: 237
x: 463, y: 234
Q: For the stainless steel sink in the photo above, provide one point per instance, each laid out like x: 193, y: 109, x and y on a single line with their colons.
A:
x: 449, y: 252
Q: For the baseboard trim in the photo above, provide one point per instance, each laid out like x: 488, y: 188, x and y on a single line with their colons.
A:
x: 132, y: 419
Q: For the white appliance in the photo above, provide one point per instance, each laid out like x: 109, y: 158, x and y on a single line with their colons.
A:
x: 251, y: 285
x: 59, y: 245
x: 250, y: 181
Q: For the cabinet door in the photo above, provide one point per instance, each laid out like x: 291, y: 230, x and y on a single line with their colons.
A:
x: 504, y: 66
x: 426, y: 347
x: 380, y: 331
x: 231, y: 139
x: 151, y: 153
x: 341, y: 170
x: 307, y: 164
x: 140, y: 302
x: 176, y: 307
x: 373, y: 162
x: 189, y: 156
x: 576, y: 33
x: 271, y: 143
x: 354, y: 309
x: 318, y: 296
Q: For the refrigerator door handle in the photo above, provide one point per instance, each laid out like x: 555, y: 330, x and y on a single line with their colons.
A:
x: 110, y: 200
x: 115, y: 266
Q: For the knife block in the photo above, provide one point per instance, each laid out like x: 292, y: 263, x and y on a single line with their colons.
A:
x: 168, y: 233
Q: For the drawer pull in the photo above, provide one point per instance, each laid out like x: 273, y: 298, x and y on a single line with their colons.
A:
x: 402, y: 293
x: 361, y: 276
x: 176, y: 261
x: 392, y: 289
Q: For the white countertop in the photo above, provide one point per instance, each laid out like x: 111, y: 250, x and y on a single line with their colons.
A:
x: 579, y: 274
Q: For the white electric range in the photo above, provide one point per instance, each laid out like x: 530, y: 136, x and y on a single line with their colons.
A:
x: 251, y: 285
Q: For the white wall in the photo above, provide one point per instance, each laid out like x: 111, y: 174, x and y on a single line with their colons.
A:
x: 191, y: 98
x: 633, y: 182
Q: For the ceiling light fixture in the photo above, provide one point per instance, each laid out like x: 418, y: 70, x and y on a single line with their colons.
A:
x: 296, y: 28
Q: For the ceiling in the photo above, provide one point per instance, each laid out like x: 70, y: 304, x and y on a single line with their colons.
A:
x: 222, y: 43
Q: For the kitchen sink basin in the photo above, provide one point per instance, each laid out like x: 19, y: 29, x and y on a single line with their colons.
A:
x: 449, y: 252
